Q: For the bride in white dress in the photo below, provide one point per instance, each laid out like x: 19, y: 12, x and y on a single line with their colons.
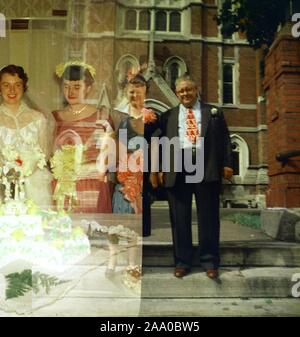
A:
x: 26, y: 131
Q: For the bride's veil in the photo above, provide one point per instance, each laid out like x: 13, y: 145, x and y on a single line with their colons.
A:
x: 34, y: 102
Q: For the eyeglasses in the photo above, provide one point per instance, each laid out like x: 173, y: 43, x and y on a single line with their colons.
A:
x: 185, y: 90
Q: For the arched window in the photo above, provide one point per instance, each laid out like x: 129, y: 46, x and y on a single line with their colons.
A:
x: 161, y: 21
x: 127, y: 64
x: 236, y: 159
x: 130, y: 19
x: 240, y: 155
x: 174, y: 74
x: 175, y: 22
x: 173, y: 68
x: 144, y: 20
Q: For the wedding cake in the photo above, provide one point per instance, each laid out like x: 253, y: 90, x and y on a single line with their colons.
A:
x: 39, y: 236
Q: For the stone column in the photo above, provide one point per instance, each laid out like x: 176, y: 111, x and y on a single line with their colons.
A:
x: 282, y: 86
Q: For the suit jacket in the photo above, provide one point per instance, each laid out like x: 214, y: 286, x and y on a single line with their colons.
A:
x: 217, y: 145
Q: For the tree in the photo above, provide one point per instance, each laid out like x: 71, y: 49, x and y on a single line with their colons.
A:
x: 259, y: 19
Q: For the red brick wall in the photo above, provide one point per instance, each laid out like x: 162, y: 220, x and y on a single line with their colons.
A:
x: 196, y: 18
x: 210, y: 73
x: 247, y: 67
x: 209, y: 26
x: 236, y: 117
x: 282, y: 82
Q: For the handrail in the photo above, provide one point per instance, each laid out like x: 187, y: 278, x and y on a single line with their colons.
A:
x: 284, y: 157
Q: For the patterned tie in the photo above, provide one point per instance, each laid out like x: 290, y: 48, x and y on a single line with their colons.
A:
x: 192, y: 131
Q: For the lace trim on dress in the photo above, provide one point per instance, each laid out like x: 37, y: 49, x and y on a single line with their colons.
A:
x: 24, y: 116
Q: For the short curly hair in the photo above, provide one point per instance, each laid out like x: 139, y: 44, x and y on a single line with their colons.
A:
x: 77, y: 73
x: 13, y: 69
x: 138, y: 80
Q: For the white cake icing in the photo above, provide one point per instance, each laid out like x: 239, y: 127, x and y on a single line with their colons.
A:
x: 39, y: 236
x: 30, y: 225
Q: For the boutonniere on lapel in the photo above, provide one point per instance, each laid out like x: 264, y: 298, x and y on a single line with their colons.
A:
x: 148, y: 116
x: 214, y: 112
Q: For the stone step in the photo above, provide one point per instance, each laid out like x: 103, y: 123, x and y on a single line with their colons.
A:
x: 242, y: 254
x: 270, y: 282
x: 170, y: 307
x: 220, y: 307
x: 163, y: 204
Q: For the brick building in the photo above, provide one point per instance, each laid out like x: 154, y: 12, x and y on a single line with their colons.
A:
x: 166, y: 38
x: 282, y: 86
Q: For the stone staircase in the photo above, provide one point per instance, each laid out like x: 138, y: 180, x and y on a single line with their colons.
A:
x: 255, y: 278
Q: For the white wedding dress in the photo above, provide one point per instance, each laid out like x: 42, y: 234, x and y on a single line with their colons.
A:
x: 27, y: 132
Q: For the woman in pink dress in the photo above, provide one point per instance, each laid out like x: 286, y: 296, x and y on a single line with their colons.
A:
x: 80, y: 184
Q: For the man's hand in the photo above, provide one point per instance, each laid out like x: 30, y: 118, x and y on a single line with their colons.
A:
x: 153, y: 179
x: 227, y: 173
x: 161, y: 178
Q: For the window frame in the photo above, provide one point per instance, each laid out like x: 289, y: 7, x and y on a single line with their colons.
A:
x: 244, y: 156
x: 167, y: 12
x: 233, y: 83
x: 167, y: 65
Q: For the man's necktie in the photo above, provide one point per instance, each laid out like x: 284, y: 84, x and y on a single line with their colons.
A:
x: 192, y: 131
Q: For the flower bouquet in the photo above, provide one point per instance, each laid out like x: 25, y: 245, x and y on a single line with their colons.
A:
x: 148, y: 116
x: 66, y: 166
x: 16, y: 166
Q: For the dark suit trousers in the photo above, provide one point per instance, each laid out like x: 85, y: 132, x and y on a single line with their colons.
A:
x: 146, y: 205
x: 180, y: 205
x: 146, y: 214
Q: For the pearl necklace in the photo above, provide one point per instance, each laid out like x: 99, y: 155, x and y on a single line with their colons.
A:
x: 77, y: 112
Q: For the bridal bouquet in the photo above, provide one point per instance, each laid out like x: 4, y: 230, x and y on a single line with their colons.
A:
x: 18, y: 164
x: 23, y: 161
x: 66, y: 166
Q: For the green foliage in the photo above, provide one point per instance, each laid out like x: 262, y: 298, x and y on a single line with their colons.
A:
x: 258, y: 18
x: 45, y: 281
x: 250, y: 220
x: 20, y: 283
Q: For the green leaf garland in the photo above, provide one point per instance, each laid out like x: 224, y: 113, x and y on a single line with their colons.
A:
x: 21, y: 283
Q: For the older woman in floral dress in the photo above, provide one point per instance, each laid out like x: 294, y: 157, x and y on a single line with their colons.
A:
x: 139, y: 123
x: 131, y: 194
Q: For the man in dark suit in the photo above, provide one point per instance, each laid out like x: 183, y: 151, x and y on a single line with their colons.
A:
x: 192, y: 122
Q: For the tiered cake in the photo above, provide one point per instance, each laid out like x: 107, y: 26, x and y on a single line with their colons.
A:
x: 41, y: 237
